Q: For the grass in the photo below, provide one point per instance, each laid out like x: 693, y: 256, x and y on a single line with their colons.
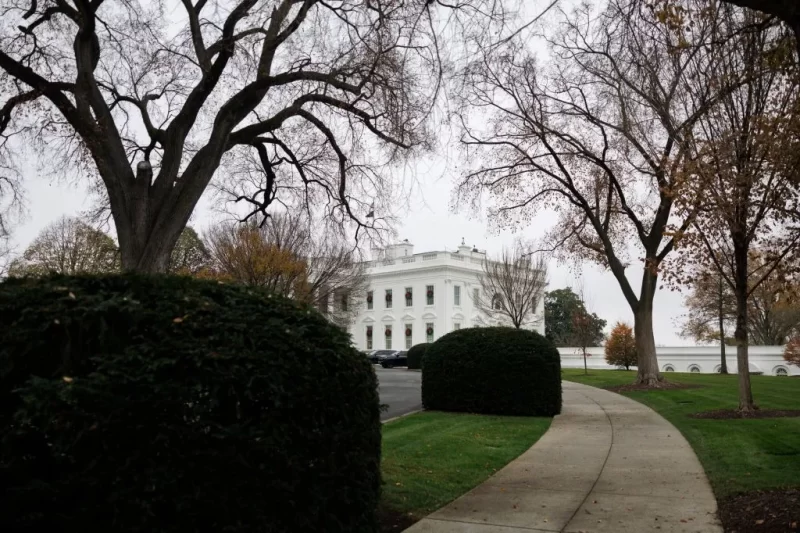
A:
x: 431, y: 458
x: 738, y: 455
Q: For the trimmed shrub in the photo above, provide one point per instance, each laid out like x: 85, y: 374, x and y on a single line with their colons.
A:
x: 503, y: 371
x: 415, y: 354
x: 166, y: 404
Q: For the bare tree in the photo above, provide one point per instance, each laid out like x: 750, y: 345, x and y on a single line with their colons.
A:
x: 512, y: 286
x: 288, y: 258
x: 152, y: 98
x: 68, y: 246
x: 599, y: 134
x: 746, y: 172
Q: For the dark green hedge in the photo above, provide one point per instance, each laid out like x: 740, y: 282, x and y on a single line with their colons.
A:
x: 165, y: 404
x: 502, y: 371
x: 415, y: 354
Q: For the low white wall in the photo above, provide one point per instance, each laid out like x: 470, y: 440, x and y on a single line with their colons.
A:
x: 704, y: 359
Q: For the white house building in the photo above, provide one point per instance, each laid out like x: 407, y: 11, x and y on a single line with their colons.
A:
x: 415, y: 298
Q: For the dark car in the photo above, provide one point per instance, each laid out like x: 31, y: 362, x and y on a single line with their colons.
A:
x: 376, y: 356
x: 395, y: 359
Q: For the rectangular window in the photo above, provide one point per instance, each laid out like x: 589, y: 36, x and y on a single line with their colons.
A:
x: 409, y: 332
x: 457, y: 325
x: 475, y: 295
x: 343, y: 300
x: 388, y: 335
x: 388, y: 298
x: 409, y: 297
x: 369, y: 299
x: 456, y: 294
x: 429, y: 294
x: 429, y: 332
x: 369, y: 337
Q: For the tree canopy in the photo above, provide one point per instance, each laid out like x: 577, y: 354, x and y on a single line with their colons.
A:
x: 303, y: 102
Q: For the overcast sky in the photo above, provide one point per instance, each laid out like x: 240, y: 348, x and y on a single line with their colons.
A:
x: 428, y: 222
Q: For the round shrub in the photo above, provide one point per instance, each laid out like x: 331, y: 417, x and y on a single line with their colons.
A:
x: 166, y: 404
x: 415, y: 354
x: 503, y: 371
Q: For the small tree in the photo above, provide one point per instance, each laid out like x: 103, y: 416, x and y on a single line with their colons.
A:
x: 792, y: 351
x: 560, y: 306
x: 512, y: 286
x: 68, y: 246
x: 621, y: 346
x: 584, y: 326
x: 712, y: 310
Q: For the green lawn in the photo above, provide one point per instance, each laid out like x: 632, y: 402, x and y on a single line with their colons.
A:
x: 431, y: 458
x: 738, y: 455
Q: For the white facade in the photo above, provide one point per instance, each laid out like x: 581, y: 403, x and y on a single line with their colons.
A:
x: 702, y: 359
x: 451, y: 277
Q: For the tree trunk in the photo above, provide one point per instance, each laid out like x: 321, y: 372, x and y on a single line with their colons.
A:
x: 723, y: 367
x: 647, y: 362
x: 742, y: 360
x: 150, y: 224
x: 585, y: 367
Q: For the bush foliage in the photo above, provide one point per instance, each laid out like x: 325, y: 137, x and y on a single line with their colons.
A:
x: 503, y: 371
x: 165, y: 404
x: 415, y: 354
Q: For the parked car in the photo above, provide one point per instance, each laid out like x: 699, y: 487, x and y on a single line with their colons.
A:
x: 395, y: 359
x: 376, y: 356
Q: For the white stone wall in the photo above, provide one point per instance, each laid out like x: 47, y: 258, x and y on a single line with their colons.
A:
x: 399, y: 269
x: 704, y: 359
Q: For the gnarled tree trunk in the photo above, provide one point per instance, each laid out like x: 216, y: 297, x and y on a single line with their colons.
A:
x: 150, y: 222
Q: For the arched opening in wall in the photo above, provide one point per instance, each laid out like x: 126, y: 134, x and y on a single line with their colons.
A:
x: 694, y: 369
x: 668, y: 368
x: 717, y: 369
x: 781, y: 371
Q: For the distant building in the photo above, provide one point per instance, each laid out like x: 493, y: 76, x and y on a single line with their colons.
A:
x: 766, y: 360
x: 415, y: 298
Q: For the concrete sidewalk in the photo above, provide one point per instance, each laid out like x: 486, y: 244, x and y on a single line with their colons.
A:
x: 607, y: 464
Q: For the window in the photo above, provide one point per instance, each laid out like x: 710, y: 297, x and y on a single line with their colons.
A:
x: 475, y: 295
x: 409, y: 297
x: 457, y: 325
x: 497, y: 302
x: 342, y: 301
x: 388, y: 298
x: 429, y: 294
x: 429, y: 332
x: 408, y: 336
x: 369, y: 299
x: 457, y: 295
x: 369, y: 337
x: 388, y: 335
x: 322, y: 304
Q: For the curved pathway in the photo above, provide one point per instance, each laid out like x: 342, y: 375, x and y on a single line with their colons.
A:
x: 607, y: 464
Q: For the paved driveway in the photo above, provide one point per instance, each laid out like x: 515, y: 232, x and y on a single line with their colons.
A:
x: 400, y: 390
